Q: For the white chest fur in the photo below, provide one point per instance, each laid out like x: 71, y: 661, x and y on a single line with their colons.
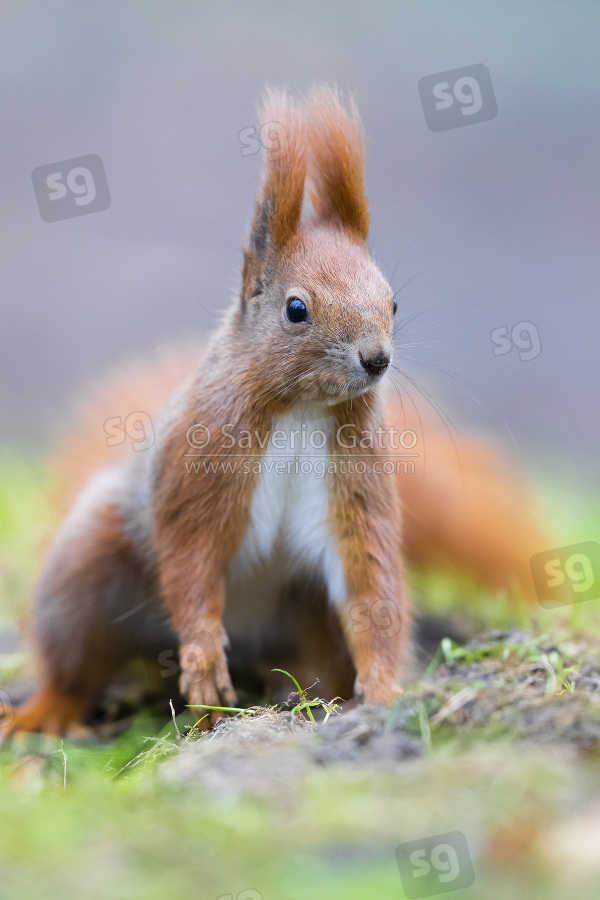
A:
x: 289, y: 532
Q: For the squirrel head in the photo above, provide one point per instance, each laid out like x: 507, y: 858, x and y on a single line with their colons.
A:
x: 314, y: 305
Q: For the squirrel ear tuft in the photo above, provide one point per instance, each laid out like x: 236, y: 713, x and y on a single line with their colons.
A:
x: 337, y: 163
x: 278, y: 210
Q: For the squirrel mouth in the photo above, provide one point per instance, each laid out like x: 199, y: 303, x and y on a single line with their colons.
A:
x: 354, y: 390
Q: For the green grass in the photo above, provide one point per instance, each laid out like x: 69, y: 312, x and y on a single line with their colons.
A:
x: 103, y: 821
x: 25, y: 519
x: 333, y: 837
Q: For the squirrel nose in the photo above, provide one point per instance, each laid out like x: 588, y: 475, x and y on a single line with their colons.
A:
x: 375, y: 365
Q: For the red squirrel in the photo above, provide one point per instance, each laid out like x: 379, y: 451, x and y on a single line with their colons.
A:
x: 271, y: 467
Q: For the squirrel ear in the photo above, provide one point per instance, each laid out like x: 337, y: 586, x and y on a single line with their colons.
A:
x: 278, y: 210
x: 338, y: 159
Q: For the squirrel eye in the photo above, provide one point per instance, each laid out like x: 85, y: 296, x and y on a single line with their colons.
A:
x: 296, y: 310
x: 395, y: 307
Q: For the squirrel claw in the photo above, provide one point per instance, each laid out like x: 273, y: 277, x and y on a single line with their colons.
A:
x: 208, y: 686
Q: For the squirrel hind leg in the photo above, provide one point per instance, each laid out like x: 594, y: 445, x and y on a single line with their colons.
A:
x: 91, y: 617
x: 50, y: 711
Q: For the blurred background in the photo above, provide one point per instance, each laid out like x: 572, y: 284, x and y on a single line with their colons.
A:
x: 487, y: 226
x: 129, y: 166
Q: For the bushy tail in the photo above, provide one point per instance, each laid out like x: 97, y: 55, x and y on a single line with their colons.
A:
x: 467, y: 507
x: 115, y: 419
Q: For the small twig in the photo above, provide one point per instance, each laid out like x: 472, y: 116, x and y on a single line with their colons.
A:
x: 551, y: 680
x: 174, y: 719
x: 64, y: 756
x: 454, y: 704
x: 424, y: 725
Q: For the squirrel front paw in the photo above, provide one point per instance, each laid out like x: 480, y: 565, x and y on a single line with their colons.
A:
x: 205, y: 679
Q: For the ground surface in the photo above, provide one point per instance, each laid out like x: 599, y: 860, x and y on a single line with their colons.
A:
x: 498, y: 741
